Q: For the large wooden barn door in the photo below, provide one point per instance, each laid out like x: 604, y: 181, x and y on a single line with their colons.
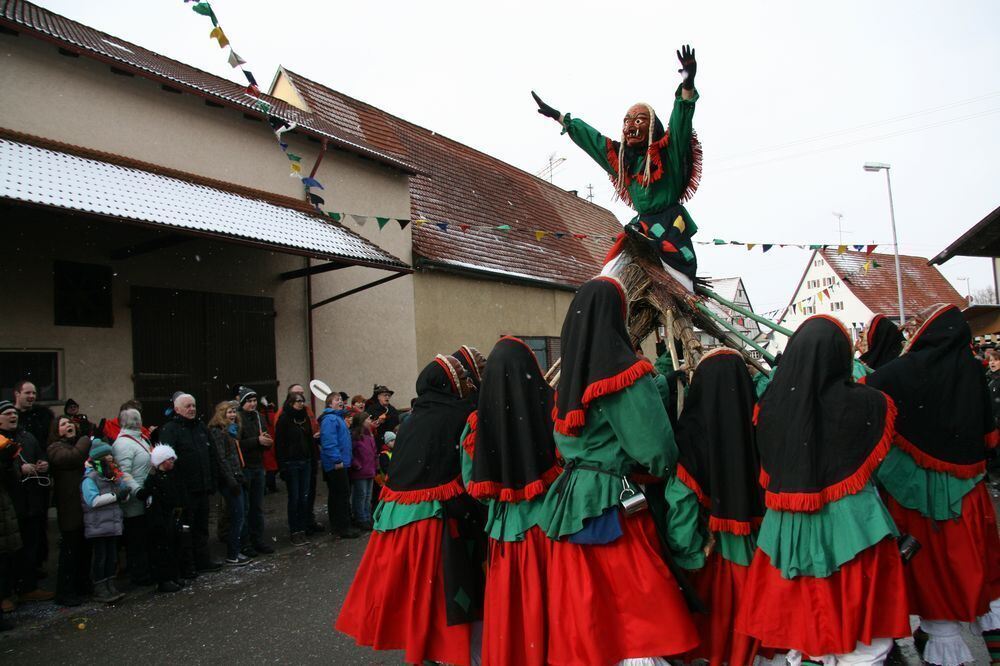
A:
x: 202, y: 343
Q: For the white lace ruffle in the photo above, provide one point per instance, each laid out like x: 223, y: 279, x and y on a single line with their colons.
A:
x: 945, y: 646
x: 644, y: 661
x: 991, y: 620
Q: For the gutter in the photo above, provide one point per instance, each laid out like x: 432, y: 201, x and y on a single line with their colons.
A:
x: 486, y: 274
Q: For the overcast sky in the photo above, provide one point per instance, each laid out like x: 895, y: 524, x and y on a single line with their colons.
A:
x: 795, y: 98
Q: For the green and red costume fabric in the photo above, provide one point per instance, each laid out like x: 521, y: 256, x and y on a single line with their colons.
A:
x: 508, y: 462
x: 827, y: 573
x: 616, y: 581
x: 427, y: 544
x: 674, y: 158
x: 716, y: 491
x: 934, y: 474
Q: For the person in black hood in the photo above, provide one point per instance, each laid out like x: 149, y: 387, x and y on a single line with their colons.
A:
x: 883, y: 342
x: 197, y: 469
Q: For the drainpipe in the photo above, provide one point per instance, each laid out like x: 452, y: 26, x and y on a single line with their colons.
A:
x: 309, y: 299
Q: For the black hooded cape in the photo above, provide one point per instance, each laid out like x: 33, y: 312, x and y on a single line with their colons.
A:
x: 510, y: 439
x: 597, y: 354
x: 885, y: 342
x: 717, y: 444
x: 820, y: 435
x: 945, y: 418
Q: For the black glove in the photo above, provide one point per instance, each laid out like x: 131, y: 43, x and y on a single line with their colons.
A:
x: 678, y: 374
x: 689, y: 66
x: 122, y: 493
x: 544, y: 108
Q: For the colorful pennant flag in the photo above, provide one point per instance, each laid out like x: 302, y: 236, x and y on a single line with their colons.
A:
x: 296, y: 170
x: 382, y: 221
x: 870, y: 248
x: 312, y: 182
x: 402, y: 223
x: 218, y: 34
x: 841, y: 249
x: 443, y: 226
x: 205, y: 9
x: 464, y: 227
x: 235, y: 60
x: 336, y: 217
x: 419, y: 222
x: 750, y: 246
x: 765, y: 248
x: 503, y: 227
x: 250, y: 77
x: 539, y: 235
x: 315, y: 199
x: 293, y: 157
x: 360, y: 219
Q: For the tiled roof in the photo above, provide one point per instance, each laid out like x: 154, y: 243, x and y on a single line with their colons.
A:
x: 923, y: 284
x: 460, y: 185
x: 32, y: 19
x: 41, y: 176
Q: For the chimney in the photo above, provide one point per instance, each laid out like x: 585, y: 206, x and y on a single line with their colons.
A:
x: 575, y: 193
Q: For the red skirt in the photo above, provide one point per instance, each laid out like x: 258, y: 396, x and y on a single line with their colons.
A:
x: 956, y: 572
x: 864, y: 600
x: 514, y: 622
x: 720, y: 585
x: 396, y: 601
x: 615, y: 601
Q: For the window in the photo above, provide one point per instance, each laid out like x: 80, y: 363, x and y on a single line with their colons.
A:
x: 827, y: 281
x: 812, y: 284
x: 818, y: 262
x: 837, y: 306
x: 547, y: 349
x: 809, y: 309
x: 40, y: 366
x: 82, y: 295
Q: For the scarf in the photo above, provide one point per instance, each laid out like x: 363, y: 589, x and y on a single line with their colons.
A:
x: 718, y: 450
x: 597, y: 354
x: 820, y: 435
x: 885, y: 342
x: 945, y: 417
x: 425, y: 464
x: 510, y: 436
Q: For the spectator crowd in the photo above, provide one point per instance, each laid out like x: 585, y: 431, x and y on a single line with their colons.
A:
x: 135, y: 501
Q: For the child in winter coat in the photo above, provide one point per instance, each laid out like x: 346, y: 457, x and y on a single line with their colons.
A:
x: 362, y: 472
x: 165, y: 497
x: 103, y: 490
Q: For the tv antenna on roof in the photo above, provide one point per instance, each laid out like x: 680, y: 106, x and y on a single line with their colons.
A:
x: 547, y: 172
x: 840, y: 226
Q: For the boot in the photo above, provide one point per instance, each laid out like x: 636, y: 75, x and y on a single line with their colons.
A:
x: 101, y: 592
x: 116, y: 595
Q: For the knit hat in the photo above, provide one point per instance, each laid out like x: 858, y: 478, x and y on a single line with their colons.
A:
x: 380, y: 388
x: 244, y: 393
x: 99, y: 449
x: 161, y: 453
x: 71, y: 403
x: 6, y: 405
x: 389, y: 436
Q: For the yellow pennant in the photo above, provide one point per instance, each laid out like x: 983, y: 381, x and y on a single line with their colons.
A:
x: 750, y: 246
x: 419, y: 222
x: 841, y: 249
x: 539, y: 235
x: 868, y: 264
x: 219, y: 35
x: 820, y: 294
x: 296, y: 168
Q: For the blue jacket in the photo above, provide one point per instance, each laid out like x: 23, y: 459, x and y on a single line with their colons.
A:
x: 334, y: 439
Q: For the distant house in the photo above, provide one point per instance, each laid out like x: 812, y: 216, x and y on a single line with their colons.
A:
x: 155, y: 242
x: 732, y: 289
x: 839, y: 285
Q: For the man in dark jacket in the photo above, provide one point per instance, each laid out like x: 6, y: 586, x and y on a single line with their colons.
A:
x: 32, y: 417
x: 196, y: 468
x: 30, y: 500
x: 254, y: 440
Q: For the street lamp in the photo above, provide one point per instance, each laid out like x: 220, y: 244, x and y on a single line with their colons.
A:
x: 875, y: 167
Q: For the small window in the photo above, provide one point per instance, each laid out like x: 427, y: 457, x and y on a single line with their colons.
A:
x: 40, y: 366
x: 82, y: 295
x: 812, y: 284
x: 827, y: 281
x: 547, y: 349
x: 837, y: 306
x: 809, y: 309
x: 818, y: 262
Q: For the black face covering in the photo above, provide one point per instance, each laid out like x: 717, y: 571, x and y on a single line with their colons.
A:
x: 513, y: 453
x: 717, y: 444
x: 885, y: 342
x: 597, y: 354
x: 945, y: 419
x: 820, y: 434
x: 425, y: 463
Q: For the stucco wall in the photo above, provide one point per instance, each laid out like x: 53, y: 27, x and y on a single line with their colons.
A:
x: 97, y: 362
x: 453, y: 310
x: 80, y: 101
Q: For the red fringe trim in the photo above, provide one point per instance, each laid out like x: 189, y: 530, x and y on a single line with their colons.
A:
x: 611, y: 154
x: 992, y: 439
x: 697, y: 157
x: 764, y: 479
x: 443, y: 492
x: 685, y: 477
x: 738, y: 527
x: 756, y: 412
x: 469, y: 443
x: 574, y: 420
x: 811, y: 502
x: 494, y: 490
x: 928, y: 461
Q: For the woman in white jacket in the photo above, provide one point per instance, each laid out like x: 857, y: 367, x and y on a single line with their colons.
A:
x: 131, y: 450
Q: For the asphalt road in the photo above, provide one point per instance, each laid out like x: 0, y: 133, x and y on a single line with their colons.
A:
x: 279, y: 609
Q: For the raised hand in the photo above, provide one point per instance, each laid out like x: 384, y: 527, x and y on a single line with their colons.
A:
x: 544, y: 108
x: 689, y: 66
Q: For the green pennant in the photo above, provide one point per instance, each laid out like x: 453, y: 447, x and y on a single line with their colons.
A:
x: 875, y: 264
x: 504, y: 227
x: 336, y: 217
x: 719, y: 241
x: 382, y: 221
x: 293, y: 157
x: 261, y: 105
x: 815, y: 247
x: 205, y: 9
